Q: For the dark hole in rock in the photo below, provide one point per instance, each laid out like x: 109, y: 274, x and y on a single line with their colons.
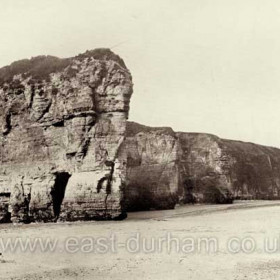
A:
x: 59, y: 123
x: 5, y: 195
x: 7, y: 125
x: 100, y: 184
x: 109, y: 163
x: 105, y: 185
x: 189, y: 186
x: 5, y: 215
x: 58, y: 191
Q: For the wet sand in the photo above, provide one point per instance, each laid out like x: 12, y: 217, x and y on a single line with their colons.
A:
x: 256, y: 221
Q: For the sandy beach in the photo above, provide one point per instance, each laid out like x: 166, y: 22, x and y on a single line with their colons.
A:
x: 230, y: 257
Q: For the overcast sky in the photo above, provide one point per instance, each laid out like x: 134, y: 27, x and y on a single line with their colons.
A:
x: 197, y: 65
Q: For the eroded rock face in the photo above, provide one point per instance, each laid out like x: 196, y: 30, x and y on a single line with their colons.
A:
x: 63, y: 125
x: 223, y: 170
x: 152, y: 174
x: 204, y: 169
x: 196, y: 168
x: 253, y: 170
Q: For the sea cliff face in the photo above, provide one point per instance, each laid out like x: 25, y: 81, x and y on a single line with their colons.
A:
x: 225, y: 169
x: 62, y: 129
x: 67, y: 151
x: 196, y: 168
x: 204, y: 169
x: 153, y: 170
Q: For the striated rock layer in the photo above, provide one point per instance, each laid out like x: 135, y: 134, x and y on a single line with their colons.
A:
x: 205, y: 169
x: 165, y: 167
x: 62, y: 129
x: 153, y: 170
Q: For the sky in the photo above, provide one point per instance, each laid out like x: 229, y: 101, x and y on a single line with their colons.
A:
x: 197, y: 65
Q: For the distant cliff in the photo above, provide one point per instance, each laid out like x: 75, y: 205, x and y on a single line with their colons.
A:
x: 62, y: 128
x: 165, y: 167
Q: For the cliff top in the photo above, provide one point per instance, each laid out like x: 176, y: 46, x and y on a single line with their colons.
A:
x: 234, y: 146
x: 40, y: 67
x: 133, y: 128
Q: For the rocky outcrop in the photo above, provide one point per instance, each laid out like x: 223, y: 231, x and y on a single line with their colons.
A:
x: 204, y: 169
x: 153, y: 170
x: 219, y: 170
x: 63, y: 125
x: 166, y: 167
x: 253, y: 170
x: 63, y: 151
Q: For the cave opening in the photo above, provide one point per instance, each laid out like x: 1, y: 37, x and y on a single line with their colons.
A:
x: 189, y: 186
x: 5, y: 214
x: 58, y: 191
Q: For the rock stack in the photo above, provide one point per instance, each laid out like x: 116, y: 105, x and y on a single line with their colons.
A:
x: 62, y: 129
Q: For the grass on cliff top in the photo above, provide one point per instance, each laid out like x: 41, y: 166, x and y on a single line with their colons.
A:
x: 40, y: 67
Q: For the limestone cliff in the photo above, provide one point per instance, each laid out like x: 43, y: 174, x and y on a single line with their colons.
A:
x: 62, y: 128
x: 223, y: 169
x: 204, y: 169
x: 152, y: 174
x: 196, y: 167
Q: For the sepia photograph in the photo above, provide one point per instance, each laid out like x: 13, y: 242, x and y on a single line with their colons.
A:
x: 139, y: 139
